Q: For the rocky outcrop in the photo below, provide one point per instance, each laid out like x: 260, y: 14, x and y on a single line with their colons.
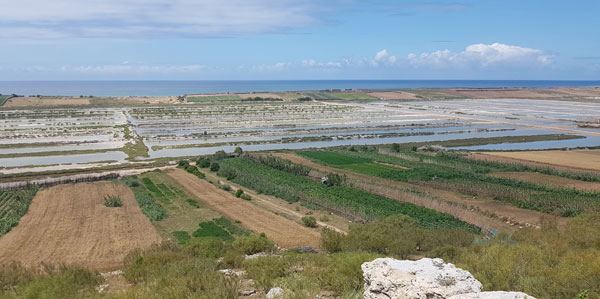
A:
x: 426, y: 278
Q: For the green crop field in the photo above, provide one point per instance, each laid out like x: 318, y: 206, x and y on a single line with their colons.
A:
x: 291, y: 187
x: 453, y: 172
x: 2, y: 100
x: 213, y: 98
x: 13, y: 205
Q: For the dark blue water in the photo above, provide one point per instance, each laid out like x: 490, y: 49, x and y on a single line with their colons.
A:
x: 172, y: 88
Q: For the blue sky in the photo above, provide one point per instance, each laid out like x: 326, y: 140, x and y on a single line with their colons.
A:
x: 299, y: 39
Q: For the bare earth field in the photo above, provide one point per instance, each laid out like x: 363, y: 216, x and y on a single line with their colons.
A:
x: 550, y: 180
x: 582, y: 159
x: 284, y: 232
x: 394, y: 95
x: 45, y: 102
x: 70, y: 224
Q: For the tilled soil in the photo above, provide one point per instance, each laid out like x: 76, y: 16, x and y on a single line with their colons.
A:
x: 284, y: 232
x: 70, y: 224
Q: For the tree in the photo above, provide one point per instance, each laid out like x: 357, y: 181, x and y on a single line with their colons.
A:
x: 214, y: 167
x: 238, y: 150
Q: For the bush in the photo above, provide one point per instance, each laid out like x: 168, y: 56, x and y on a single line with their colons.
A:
x: 331, y: 241
x: 214, y: 167
x: 226, y: 172
x: 238, y: 150
x: 112, y: 201
x: 246, y: 197
x: 182, y: 163
x: 208, y: 247
x: 225, y: 187
x: 254, y: 244
x: 203, y: 162
x: 309, y: 221
x: 239, y: 193
x: 324, y: 218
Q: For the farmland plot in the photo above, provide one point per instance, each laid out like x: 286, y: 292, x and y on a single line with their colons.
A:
x: 70, y: 224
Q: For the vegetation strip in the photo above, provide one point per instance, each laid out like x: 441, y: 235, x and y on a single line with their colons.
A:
x: 366, y: 205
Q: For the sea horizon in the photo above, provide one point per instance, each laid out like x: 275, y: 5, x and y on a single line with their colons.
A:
x: 157, y: 88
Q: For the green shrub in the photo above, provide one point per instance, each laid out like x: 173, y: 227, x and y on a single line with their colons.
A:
x: 331, y: 240
x: 214, y: 167
x: 309, y: 221
x: 226, y: 172
x: 245, y: 196
x: 238, y: 150
x: 254, y: 244
x: 225, y: 187
x: 112, y: 201
x: 324, y: 218
x: 203, y: 162
x: 239, y: 193
x: 233, y: 258
x: 208, y: 247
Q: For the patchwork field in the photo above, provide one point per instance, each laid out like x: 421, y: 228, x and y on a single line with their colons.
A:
x: 284, y: 232
x: 70, y: 224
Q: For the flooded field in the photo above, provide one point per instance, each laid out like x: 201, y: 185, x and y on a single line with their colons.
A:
x: 87, y: 136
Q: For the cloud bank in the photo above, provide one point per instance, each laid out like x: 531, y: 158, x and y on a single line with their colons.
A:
x: 42, y: 19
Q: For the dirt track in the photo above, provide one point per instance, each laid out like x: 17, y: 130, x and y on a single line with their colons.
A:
x: 70, y: 224
x: 284, y: 232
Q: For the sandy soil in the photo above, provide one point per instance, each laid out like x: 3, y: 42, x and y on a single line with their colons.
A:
x: 284, y: 232
x: 70, y: 224
x: 472, y: 210
x: 394, y: 95
x: 38, y: 102
x: 583, y: 159
x: 550, y: 180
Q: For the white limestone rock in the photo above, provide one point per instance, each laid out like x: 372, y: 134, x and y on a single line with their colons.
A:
x: 426, y: 278
x: 493, y: 295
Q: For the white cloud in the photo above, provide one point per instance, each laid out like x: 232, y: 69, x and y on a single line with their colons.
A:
x: 43, y: 19
x: 483, y: 56
x: 384, y: 57
x: 136, y: 68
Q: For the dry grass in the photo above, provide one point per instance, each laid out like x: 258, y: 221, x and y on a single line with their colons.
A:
x: 45, y: 102
x: 394, y: 95
x: 70, y: 224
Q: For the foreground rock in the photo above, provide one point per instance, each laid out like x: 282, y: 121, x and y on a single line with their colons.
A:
x: 425, y: 278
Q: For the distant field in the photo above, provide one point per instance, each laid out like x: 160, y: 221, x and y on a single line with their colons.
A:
x: 349, y: 96
x: 213, y: 98
x: 2, y: 100
x: 584, y: 159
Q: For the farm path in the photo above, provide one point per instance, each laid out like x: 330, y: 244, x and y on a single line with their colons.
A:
x: 455, y: 204
x: 286, y: 233
x: 70, y: 224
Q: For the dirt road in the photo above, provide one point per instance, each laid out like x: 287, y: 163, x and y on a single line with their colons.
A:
x: 284, y: 232
x: 70, y: 224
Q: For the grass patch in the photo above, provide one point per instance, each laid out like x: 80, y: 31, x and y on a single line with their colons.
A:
x: 211, y: 229
x: 181, y: 237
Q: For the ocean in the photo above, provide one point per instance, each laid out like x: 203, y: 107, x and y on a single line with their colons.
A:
x: 173, y: 88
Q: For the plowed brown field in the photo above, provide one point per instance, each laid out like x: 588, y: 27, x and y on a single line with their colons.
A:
x: 70, y: 224
x: 286, y: 233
